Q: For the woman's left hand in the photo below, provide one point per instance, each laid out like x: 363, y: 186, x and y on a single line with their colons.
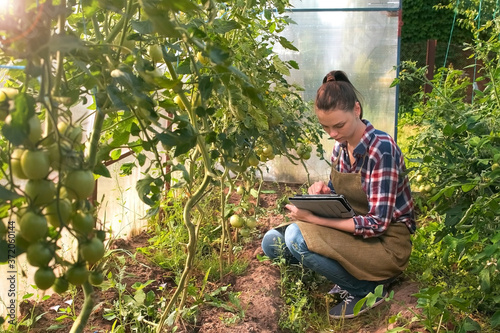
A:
x: 299, y: 214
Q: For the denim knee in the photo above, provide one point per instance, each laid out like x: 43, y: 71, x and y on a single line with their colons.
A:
x: 295, y: 242
x: 273, y: 243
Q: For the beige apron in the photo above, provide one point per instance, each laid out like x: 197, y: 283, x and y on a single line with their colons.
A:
x: 372, y: 259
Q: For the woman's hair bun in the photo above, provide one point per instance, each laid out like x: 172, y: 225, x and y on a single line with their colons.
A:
x: 336, y: 76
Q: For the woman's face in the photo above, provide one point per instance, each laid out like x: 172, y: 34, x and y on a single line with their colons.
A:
x: 341, y: 125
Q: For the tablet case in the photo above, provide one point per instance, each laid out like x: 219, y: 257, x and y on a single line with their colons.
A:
x: 325, y: 205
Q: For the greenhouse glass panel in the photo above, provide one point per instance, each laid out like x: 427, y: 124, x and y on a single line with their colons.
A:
x: 358, y: 37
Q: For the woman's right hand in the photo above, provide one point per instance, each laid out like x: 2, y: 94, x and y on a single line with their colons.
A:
x: 319, y: 188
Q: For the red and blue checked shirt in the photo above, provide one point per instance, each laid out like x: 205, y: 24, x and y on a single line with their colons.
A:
x: 384, y: 180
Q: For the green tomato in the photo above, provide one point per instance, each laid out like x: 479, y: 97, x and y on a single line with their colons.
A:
x: 92, y: 251
x: 96, y: 278
x: 79, y: 184
x: 35, y: 164
x: 240, y: 190
x: 61, y: 285
x: 244, y: 232
x: 251, y: 223
x: 268, y: 151
x: 253, y: 160
x: 77, y: 274
x: 35, y: 129
x: 305, y: 155
x: 155, y: 53
x: 33, y: 226
x: 73, y: 133
x: 15, y: 163
x: 236, y: 221
x: 58, y: 211
x: 44, y: 278
x: 83, y: 222
x: 58, y: 158
x: 40, y: 191
x: 39, y: 254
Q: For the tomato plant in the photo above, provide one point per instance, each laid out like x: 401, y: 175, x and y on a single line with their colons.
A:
x: 159, y: 78
x: 454, y: 156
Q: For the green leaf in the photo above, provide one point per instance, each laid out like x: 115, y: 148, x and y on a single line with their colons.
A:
x: 468, y: 187
x: 185, y: 173
x: 485, y: 279
x: 267, y: 14
x: 471, y: 325
x: 280, y: 66
x: 115, y: 154
x: 293, y: 63
x: 184, y: 67
x: 286, y: 44
x: 359, y: 305
x: 453, y: 216
x: 218, y: 55
x: 17, y: 130
x: 224, y: 26
x: 205, y: 86
x: 142, y: 27
x: 182, y: 138
x: 100, y: 169
x: 7, y: 195
x: 495, y: 319
x: 145, y: 188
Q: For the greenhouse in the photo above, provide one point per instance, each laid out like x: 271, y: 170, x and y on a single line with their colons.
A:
x: 249, y: 166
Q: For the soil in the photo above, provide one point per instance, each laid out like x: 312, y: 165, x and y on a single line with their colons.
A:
x: 258, y: 289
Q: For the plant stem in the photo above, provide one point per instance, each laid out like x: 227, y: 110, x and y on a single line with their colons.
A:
x: 88, y: 304
x: 225, y: 232
x: 191, y: 247
x: 59, y: 57
x: 96, y: 135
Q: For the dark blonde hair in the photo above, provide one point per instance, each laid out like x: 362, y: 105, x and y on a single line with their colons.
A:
x: 337, y: 92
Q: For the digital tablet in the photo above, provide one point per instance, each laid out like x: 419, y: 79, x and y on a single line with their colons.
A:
x: 324, y: 205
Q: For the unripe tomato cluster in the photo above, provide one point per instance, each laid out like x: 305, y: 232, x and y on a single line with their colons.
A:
x: 244, y: 224
x: 265, y: 152
x: 425, y: 187
x: 304, y: 151
x: 56, y: 191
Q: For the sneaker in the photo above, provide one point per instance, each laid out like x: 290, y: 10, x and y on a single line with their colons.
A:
x: 335, y: 290
x: 345, y: 309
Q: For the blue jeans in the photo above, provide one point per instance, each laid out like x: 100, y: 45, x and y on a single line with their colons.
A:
x: 289, y: 243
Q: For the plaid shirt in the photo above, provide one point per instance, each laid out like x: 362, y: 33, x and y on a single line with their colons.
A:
x: 384, y: 180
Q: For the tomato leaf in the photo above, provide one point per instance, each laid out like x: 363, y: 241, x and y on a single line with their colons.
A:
x: 495, y: 319
x: 142, y: 27
x: 287, y: 44
x: 17, y: 130
x: 7, y: 195
x: 468, y: 187
x: 145, y: 187
x: 224, y: 26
